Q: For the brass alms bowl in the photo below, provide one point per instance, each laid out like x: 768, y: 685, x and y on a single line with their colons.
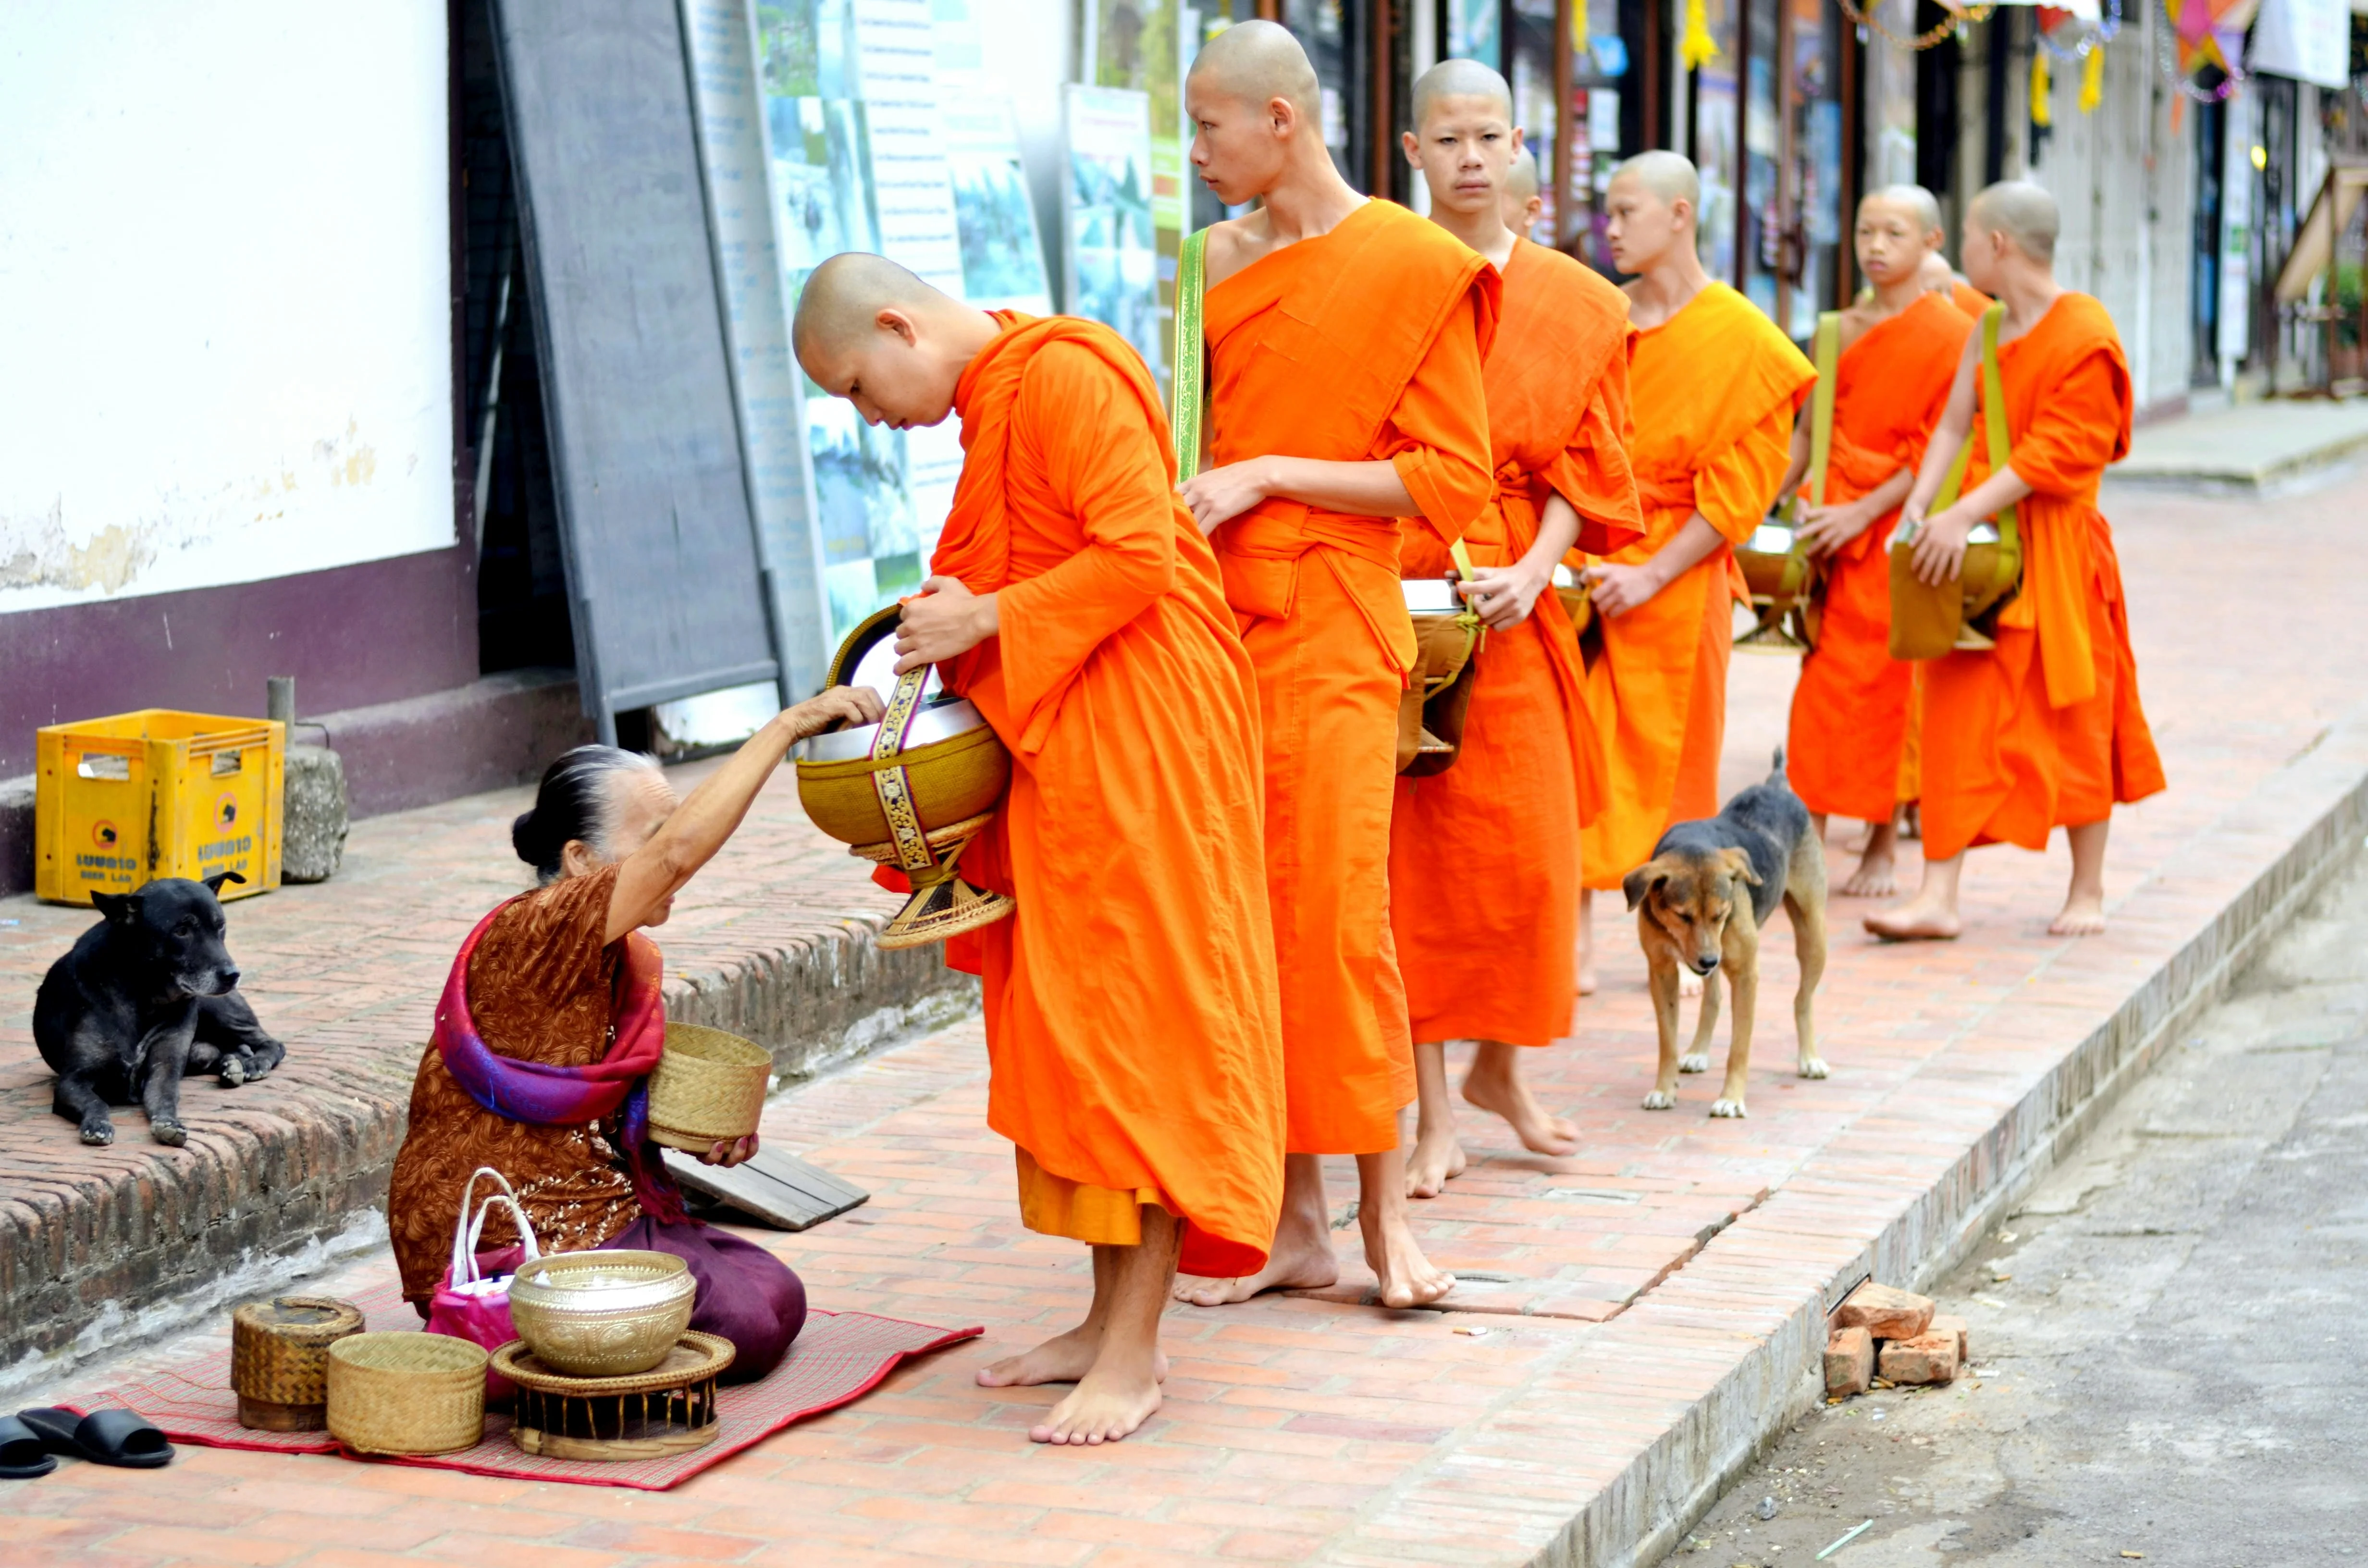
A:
x: 602, y: 1314
x: 910, y: 791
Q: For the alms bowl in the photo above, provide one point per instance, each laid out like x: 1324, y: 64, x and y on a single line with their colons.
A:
x: 602, y: 1314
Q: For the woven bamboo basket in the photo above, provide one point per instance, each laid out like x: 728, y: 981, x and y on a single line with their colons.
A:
x: 406, y: 1393
x: 280, y: 1359
x: 670, y: 1409
x: 709, y: 1087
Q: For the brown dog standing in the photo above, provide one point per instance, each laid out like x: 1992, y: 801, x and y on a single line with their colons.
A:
x: 1700, y: 901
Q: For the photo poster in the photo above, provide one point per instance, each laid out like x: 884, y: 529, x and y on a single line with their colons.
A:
x: 869, y: 153
x: 1147, y: 46
x: 1108, y: 240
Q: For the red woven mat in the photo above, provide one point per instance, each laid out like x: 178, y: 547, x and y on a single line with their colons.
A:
x: 838, y: 1358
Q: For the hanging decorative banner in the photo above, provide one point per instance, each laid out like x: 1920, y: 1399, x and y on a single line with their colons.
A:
x: 1698, y: 49
x: 2092, y: 78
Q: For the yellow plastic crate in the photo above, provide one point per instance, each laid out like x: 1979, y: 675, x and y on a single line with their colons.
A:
x: 158, y: 793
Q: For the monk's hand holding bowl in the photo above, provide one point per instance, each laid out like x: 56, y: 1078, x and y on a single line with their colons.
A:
x: 1940, y: 546
x: 1825, y: 529
x: 1504, y: 594
x: 944, y: 620
x: 1218, y: 495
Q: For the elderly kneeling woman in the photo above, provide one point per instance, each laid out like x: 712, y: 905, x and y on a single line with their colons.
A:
x: 552, y: 1019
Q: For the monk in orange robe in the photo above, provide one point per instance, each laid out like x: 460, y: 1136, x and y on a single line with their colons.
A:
x: 1712, y: 385
x: 1345, y: 339
x: 1522, y: 204
x: 1483, y: 857
x: 1133, y: 1021
x: 1845, y: 755
x: 2044, y: 730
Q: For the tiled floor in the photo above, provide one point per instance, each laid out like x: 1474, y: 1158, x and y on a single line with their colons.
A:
x: 1629, y: 1287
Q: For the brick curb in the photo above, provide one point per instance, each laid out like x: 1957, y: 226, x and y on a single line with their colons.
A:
x: 94, y: 1261
x: 1772, y: 1276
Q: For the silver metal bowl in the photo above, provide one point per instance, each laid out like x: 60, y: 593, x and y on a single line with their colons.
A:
x: 602, y: 1313
x: 876, y: 668
x: 937, y: 722
x: 1430, y: 595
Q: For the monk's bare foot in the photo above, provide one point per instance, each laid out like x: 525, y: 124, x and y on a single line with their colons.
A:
x: 1437, y: 1158
x: 1873, y: 879
x: 2083, y: 915
x: 1406, y: 1278
x: 1064, y: 1358
x: 1301, y: 1263
x: 1913, y: 922
x: 1587, y: 981
x: 1494, y: 1085
x: 1109, y: 1405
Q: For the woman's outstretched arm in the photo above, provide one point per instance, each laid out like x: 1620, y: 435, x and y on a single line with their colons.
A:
x: 696, y: 829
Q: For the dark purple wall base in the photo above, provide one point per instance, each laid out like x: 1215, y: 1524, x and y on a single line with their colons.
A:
x: 356, y: 635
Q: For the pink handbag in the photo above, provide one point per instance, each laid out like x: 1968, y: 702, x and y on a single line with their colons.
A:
x: 468, y: 1305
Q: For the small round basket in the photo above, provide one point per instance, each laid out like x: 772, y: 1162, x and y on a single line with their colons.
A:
x: 605, y: 1313
x: 406, y: 1393
x: 280, y: 1359
x: 709, y: 1087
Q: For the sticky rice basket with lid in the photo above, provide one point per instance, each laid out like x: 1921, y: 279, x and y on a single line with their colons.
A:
x: 911, y: 791
x: 708, y: 1088
x: 605, y: 1313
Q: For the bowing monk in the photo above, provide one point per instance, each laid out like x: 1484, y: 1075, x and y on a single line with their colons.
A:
x: 1483, y: 857
x: 2045, y: 729
x: 1131, y: 1023
x: 1900, y: 347
x: 1713, y: 386
x: 1344, y: 341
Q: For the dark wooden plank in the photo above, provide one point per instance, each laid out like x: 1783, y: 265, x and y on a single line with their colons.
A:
x: 778, y: 1190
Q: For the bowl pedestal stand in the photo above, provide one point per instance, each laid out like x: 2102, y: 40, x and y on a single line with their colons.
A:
x: 670, y: 1409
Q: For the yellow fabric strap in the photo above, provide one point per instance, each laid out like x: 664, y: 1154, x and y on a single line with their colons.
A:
x: 1190, y: 357
x: 1993, y: 429
x: 1821, y: 407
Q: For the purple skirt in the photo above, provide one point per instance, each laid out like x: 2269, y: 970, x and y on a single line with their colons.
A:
x: 745, y: 1295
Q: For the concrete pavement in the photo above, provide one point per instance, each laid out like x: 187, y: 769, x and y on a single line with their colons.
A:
x: 2161, y: 1331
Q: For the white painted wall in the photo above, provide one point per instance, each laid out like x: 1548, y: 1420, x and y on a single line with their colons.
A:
x: 224, y: 311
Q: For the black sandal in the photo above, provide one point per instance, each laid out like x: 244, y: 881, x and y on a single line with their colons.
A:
x: 119, y: 1438
x: 23, y: 1455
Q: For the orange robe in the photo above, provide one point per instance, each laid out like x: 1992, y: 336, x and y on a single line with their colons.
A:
x: 1361, y: 345
x: 1483, y: 857
x: 1132, y: 1016
x: 1714, y: 389
x: 2044, y: 730
x: 1850, y: 710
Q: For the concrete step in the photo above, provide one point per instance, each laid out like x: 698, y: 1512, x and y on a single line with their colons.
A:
x: 2248, y: 448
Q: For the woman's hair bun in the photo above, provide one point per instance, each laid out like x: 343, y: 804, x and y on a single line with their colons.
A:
x: 574, y: 801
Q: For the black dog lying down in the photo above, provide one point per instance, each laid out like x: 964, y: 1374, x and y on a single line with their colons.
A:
x: 147, y: 997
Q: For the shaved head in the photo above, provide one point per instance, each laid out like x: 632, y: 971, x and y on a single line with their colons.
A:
x: 840, y: 306
x: 2023, y: 212
x: 1256, y: 63
x: 1522, y: 180
x: 1459, y: 79
x: 1669, y: 175
x: 1934, y: 276
x: 1912, y: 198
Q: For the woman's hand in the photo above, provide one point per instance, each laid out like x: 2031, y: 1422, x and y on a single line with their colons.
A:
x: 1619, y: 589
x: 944, y: 620
x: 730, y: 1151
x: 837, y: 707
x: 1504, y: 594
x: 1823, y: 529
x: 1218, y: 495
x: 1939, y: 554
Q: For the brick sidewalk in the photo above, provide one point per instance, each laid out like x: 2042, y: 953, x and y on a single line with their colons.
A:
x: 1644, y: 1310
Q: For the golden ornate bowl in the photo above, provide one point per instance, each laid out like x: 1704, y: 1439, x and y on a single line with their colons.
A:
x: 602, y: 1314
x: 910, y: 791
